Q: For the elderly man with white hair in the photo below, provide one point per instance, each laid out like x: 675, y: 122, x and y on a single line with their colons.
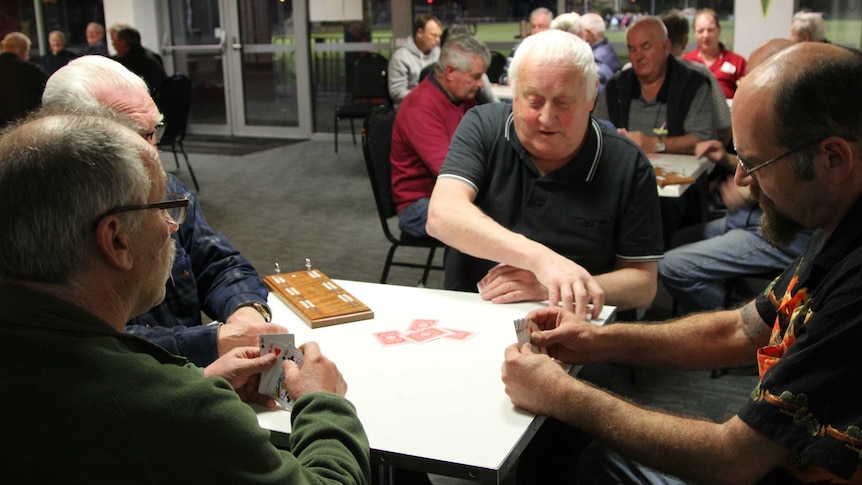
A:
x: 593, y: 26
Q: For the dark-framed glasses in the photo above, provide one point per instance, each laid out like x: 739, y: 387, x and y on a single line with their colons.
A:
x: 174, y: 205
x: 155, y: 136
x: 751, y: 169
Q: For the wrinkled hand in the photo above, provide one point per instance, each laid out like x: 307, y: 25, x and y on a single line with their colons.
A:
x: 570, y: 284
x: 646, y: 142
x: 712, y: 150
x: 566, y: 336
x: 733, y: 196
x: 508, y: 284
x: 317, y: 374
x: 243, y: 329
x: 242, y: 367
x: 530, y: 379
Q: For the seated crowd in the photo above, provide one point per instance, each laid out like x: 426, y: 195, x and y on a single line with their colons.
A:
x: 551, y: 196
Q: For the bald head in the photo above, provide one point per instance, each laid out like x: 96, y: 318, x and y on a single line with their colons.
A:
x: 767, y: 50
x: 808, y: 90
x: 16, y: 43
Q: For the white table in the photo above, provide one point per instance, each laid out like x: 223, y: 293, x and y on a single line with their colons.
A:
x: 685, y: 165
x: 438, y: 407
x: 503, y: 92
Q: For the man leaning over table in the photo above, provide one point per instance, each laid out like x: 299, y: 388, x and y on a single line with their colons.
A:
x: 208, y: 274
x: 86, y: 403
x: 539, y: 201
x: 425, y: 123
x: 800, y: 148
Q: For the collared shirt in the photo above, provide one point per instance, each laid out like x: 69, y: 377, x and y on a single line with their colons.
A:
x: 208, y: 275
x: 600, y: 207
x: 811, y: 370
x: 728, y: 68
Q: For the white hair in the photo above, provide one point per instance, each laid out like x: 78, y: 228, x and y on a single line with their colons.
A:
x: 558, y: 48
x: 568, y: 22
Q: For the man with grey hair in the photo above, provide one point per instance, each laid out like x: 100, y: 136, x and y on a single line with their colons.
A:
x: 535, y: 198
x: 606, y: 57
x: 87, y: 223
x: 209, y: 275
x: 800, y: 153
x: 425, y: 123
x: 540, y: 21
x: 808, y: 27
x: 95, y: 34
x: 21, y: 83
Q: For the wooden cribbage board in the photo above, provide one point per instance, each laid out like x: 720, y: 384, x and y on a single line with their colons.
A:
x: 666, y: 177
x: 316, y: 299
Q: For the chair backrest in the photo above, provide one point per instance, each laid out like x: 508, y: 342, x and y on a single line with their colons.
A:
x: 495, y: 69
x: 369, y: 77
x: 376, y: 145
x: 174, y: 99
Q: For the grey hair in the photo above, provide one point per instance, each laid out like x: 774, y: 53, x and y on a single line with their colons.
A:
x: 75, y: 86
x: 568, y: 22
x: 594, y: 22
x: 558, y: 48
x: 58, y: 175
x: 542, y: 11
x: 811, y: 23
x: 459, y: 50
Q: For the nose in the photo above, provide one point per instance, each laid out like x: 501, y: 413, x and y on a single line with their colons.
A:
x: 741, y: 178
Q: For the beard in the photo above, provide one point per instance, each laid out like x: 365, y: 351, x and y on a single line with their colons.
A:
x: 776, y: 227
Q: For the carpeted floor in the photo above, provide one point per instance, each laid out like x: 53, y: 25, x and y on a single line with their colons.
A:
x: 231, y: 145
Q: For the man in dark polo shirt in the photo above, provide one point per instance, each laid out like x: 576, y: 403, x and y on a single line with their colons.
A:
x: 539, y: 201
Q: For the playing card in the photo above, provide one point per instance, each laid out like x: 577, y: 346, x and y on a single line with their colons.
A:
x: 267, y: 342
x: 425, y: 335
x: 390, y: 337
x: 461, y: 335
x: 272, y: 381
x: 420, y: 324
x: 523, y: 329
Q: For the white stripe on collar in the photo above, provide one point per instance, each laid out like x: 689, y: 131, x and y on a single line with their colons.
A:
x: 599, y: 143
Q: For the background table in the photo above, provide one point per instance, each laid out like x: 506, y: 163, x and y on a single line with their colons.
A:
x: 684, y: 165
x: 437, y: 407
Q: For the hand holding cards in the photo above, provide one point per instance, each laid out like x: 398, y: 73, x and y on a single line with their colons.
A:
x: 523, y: 329
x: 272, y: 381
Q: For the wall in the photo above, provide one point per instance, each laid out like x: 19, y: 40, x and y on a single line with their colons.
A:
x: 752, y: 27
x: 140, y: 14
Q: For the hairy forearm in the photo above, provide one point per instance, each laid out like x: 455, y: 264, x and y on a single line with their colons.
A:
x: 699, y: 341
x: 689, y: 448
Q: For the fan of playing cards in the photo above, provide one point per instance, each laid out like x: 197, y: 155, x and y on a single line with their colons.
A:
x: 523, y: 329
x: 272, y: 380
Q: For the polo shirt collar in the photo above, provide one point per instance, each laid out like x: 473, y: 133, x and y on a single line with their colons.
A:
x: 433, y: 80
x: 662, y: 93
x: 584, y: 164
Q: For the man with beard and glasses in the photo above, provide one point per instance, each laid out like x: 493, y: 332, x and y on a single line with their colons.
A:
x: 705, y: 256
x: 800, y: 152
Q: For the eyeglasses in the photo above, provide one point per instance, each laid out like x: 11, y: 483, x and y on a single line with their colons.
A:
x: 750, y: 170
x: 174, y: 204
x: 155, y: 136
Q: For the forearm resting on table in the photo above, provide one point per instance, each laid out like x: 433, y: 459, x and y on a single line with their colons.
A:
x: 689, y: 448
x: 681, y: 144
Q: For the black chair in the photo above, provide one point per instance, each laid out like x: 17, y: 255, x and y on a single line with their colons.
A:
x: 369, y: 89
x: 174, y: 99
x: 376, y: 143
x: 495, y: 69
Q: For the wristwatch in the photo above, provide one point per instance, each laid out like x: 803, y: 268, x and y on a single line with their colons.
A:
x: 264, y: 312
x: 659, y: 147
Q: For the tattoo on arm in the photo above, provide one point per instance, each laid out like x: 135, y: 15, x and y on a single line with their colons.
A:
x: 752, y: 325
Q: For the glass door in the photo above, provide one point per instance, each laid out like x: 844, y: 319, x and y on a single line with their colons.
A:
x: 245, y: 59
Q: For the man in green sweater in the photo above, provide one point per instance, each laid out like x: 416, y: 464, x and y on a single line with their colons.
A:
x: 85, y: 245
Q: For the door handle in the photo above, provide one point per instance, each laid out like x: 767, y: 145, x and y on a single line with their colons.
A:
x: 236, y: 45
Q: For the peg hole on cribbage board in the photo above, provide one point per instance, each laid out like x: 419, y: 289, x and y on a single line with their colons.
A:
x: 316, y: 298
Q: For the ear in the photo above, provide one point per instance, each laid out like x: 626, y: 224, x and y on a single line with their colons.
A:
x: 112, y: 241
x: 839, y: 154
